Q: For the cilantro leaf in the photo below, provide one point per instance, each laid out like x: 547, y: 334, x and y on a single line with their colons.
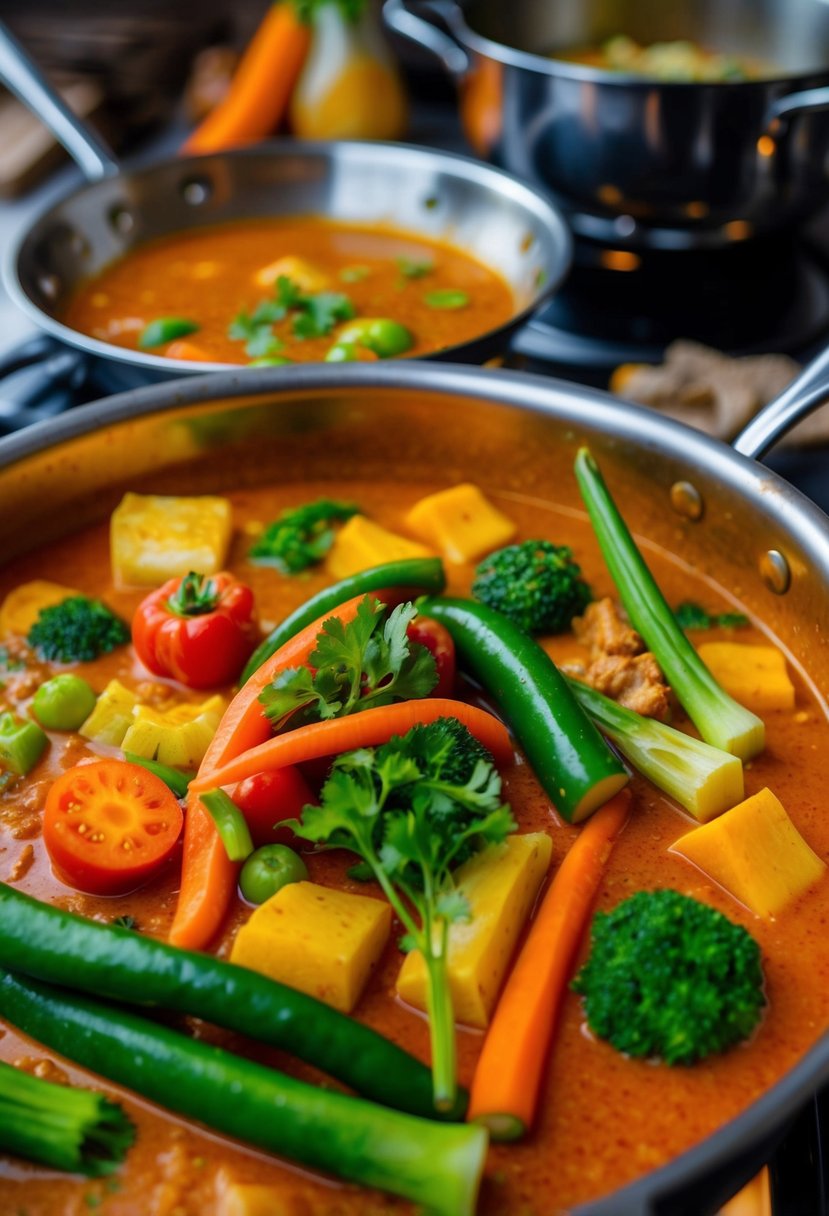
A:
x: 367, y: 663
x: 320, y: 313
x: 410, y: 826
x: 302, y: 536
x: 690, y: 615
x: 410, y: 269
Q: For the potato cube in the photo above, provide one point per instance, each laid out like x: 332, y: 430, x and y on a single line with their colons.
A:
x: 112, y: 716
x: 460, y: 522
x: 307, y: 277
x: 755, y: 676
x: 321, y: 941
x: 24, y: 604
x: 154, y: 537
x: 756, y: 853
x: 501, y: 884
x: 361, y: 544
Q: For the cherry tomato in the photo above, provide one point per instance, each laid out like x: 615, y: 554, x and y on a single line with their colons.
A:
x: 109, y: 825
x: 267, y: 798
x: 268, y: 870
x: 198, y: 629
x: 436, y: 638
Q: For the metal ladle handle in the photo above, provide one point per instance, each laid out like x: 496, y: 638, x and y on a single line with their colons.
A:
x: 23, y: 78
x: 806, y: 393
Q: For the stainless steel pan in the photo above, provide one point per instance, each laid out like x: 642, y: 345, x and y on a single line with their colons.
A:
x: 637, y: 162
x: 507, y: 225
x: 722, y: 512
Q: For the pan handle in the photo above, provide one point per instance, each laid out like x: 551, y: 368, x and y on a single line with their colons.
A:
x: 403, y: 21
x: 787, y: 107
x: 806, y: 393
x: 23, y: 78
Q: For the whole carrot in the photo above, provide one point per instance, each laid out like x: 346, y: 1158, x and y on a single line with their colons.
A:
x: 261, y: 86
x: 367, y: 729
x: 513, y: 1061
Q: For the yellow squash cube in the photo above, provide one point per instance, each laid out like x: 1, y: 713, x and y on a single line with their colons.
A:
x: 320, y: 941
x: 178, y: 736
x: 501, y: 884
x: 756, y: 853
x: 755, y: 676
x: 460, y: 522
x: 23, y: 605
x: 112, y: 716
x: 154, y: 537
x: 361, y: 543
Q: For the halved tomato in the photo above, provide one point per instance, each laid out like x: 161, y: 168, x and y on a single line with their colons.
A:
x: 109, y: 825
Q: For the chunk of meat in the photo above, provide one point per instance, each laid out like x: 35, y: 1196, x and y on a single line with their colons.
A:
x: 619, y: 666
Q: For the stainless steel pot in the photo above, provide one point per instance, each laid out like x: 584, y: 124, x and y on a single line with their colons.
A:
x: 636, y: 162
x: 720, y: 511
x: 505, y: 224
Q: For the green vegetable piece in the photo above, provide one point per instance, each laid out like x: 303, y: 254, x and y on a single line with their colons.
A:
x: 256, y: 329
x: 61, y: 1126
x: 732, y: 620
x: 21, y: 743
x: 268, y: 870
x: 693, y: 616
x: 701, y: 778
x: 386, y: 338
x: 420, y: 574
x: 271, y: 361
x: 125, y: 922
x: 9, y: 664
x: 165, y: 329
x: 301, y: 536
x: 671, y: 978
x: 362, y: 665
x: 85, y: 955
x: 173, y: 778
x: 572, y: 761
x: 64, y: 702
x: 717, y: 716
x: 230, y: 824
x: 436, y: 1166
x: 446, y: 299
x: 342, y: 353
x: 537, y: 584
x: 413, y: 810
x: 354, y: 274
x: 410, y: 269
x: 77, y: 630
x: 316, y: 315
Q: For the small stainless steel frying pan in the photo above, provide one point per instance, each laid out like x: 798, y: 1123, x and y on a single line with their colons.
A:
x: 494, y: 217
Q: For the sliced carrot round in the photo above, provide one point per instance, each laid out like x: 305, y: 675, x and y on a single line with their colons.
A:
x: 108, y: 826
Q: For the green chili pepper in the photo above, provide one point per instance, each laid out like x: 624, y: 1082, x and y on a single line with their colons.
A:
x: 230, y: 824
x: 21, y: 743
x: 173, y: 778
x: 165, y: 329
x: 419, y: 574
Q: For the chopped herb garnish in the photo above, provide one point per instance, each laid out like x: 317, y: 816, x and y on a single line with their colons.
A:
x: 446, y: 299
x: 690, y: 615
x: 301, y: 537
x: 165, y: 329
x: 7, y: 663
x: 314, y: 316
x: 125, y: 922
x: 367, y: 663
x: 414, y: 270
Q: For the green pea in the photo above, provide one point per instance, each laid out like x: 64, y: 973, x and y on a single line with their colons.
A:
x: 165, y: 329
x: 446, y: 299
x: 379, y: 334
x: 268, y: 870
x: 342, y: 353
x: 64, y: 702
x: 270, y: 361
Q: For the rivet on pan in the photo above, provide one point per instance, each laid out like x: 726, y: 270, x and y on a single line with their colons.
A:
x: 625, y: 225
x: 79, y: 245
x: 49, y: 285
x: 196, y: 190
x: 686, y: 500
x: 121, y: 219
x: 775, y: 572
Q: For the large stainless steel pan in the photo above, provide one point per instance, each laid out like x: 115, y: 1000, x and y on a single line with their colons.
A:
x: 505, y: 224
x: 638, y: 162
x: 722, y: 512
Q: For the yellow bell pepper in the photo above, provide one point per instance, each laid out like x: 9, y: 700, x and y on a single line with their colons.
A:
x: 755, y: 676
x: 179, y: 736
x: 361, y: 543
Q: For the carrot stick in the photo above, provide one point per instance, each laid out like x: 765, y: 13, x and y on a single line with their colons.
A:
x: 208, y: 876
x: 511, y: 1066
x: 367, y: 729
x: 261, y: 86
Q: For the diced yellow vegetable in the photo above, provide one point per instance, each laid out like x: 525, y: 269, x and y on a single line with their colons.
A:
x: 179, y: 736
x: 755, y: 676
x: 23, y: 605
x: 321, y: 941
x: 501, y: 884
x: 112, y: 716
x: 460, y: 522
x: 154, y: 537
x: 756, y: 853
x: 361, y: 543
x: 308, y: 277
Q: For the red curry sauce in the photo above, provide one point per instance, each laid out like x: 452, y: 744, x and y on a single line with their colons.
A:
x: 209, y: 276
x: 606, y: 1119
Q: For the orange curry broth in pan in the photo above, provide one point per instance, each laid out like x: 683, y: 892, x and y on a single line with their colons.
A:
x: 209, y: 276
x: 605, y: 1119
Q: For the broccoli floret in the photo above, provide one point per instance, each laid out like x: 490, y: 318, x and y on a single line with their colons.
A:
x: 536, y: 584
x: 671, y: 978
x: 444, y: 750
x: 77, y: 630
